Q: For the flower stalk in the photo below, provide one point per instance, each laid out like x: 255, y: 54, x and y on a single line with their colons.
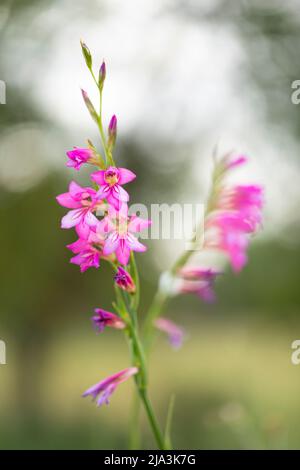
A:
x: 106, y: 233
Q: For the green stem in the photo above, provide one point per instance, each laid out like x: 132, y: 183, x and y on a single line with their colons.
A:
x: 134, y: 438
x: 107, y: 154
x: 141, y: 378
x: 152, y: 420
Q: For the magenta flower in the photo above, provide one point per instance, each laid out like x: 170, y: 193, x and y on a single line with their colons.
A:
x: 88, y: 251
x: 104, y: 318
x: 247, y: 200
x: 230, y: 234
x: 239, y: 215
x: 174, y: 332
x: 121, y: 239
x: 87, y: 257
x: 111, y: 181
x: 199, y: 281
x: 123, y: 279
x: 78, y: 156
x: 83, y: 201
x: 104, y: 389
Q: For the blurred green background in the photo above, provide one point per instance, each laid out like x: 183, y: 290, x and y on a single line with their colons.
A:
x: 182, y: 76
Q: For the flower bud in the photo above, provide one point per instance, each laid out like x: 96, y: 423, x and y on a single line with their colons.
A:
x: 124, y: 280
x: 112, y: 132
x: 102, y: 75
x: 89, y: 105
x: 86, y: 54
x: 103, y: 318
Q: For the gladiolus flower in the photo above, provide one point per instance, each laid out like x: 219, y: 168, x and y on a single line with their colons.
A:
x: 174, y: 332
x: 124, y: 280
x: 83, y: 201
x: 228, y: 229
x: 87, y: 257
x: 78, y: 156
x: 111, y: 181
x: 104, y: 318
x: 121, y: 239
x: 199, y: 281
x: 246, y: 199
x: 104, y: 389
x: 88, y: 251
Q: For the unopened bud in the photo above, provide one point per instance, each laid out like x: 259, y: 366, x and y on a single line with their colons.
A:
x: 112, y: 132
x: 89, y: 105
x: 86, y: 54
x: 124, y: 280
x: 102, y: 75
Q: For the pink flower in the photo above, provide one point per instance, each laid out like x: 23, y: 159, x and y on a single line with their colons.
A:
x: 87, y: 257
x: 239, y: 214
x: 247, y: 200
x: 174, y: 332
x: 123, y: 279
x: 230, y: 233
x: 104, y: 318
x: 246, y: 196
x: 104, y: 389
x: 199, y: 281
x: 78, y: 156
x: 83, y: 201
x: 111, y: 181
x: 88, y: 251
x: 120, y: 238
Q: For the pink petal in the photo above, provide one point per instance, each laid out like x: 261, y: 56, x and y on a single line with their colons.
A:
x: 114, y: 202
x: 125, y: 176
x: 66, y: 200
x: 78, y: 246
x: 123, y: 252
x: 134, y: 244
x: 75, y: 189
x: 119, y: 193
x: 111, y: 243
x: 105, y: 226
x: 72, y: 218
x: 83, y: 230
x: 90, y: 219
x: 98, y: 177
x: 137, y: 224
x: 104, y: 192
